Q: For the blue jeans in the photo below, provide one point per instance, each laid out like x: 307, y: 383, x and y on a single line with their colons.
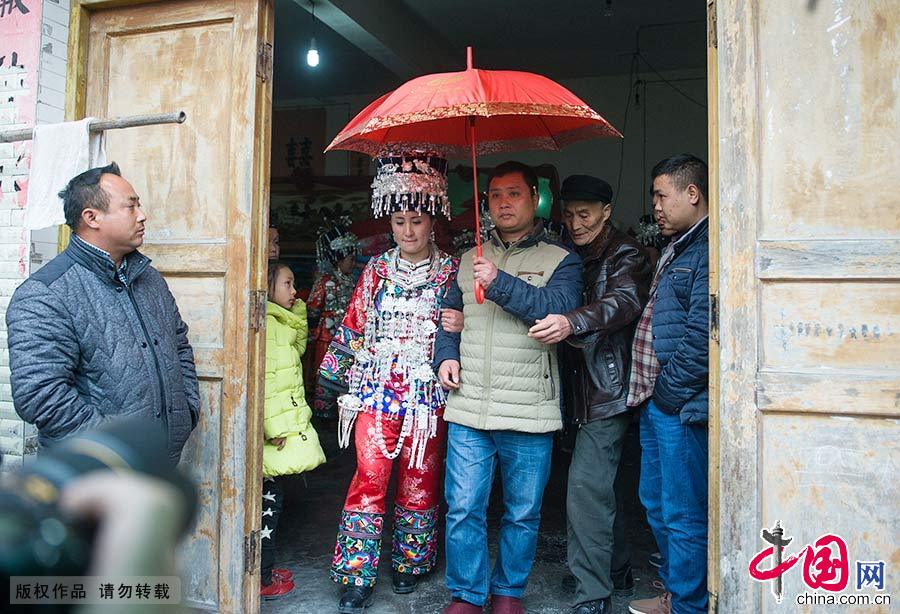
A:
x: 472, y: 456
x: 674, y: 466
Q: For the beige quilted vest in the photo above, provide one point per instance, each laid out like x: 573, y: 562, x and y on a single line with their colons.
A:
x: 508, y: 381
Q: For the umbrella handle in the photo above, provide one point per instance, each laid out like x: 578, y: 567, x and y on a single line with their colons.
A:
x: 479, y: 293
x: 479, y: 290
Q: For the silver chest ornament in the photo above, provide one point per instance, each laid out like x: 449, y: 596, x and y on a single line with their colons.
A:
x: 398, y: 344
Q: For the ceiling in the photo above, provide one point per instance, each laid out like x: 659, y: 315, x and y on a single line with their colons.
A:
x: 369, y: 47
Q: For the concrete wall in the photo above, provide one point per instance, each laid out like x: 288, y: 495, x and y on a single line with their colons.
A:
x: 32, y: 89
x: 662, y: 123
x: 51, y: 100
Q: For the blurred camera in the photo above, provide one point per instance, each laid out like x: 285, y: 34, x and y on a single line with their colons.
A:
x: 39, y: 539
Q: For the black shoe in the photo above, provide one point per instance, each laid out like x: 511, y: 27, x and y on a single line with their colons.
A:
x: 404, y: 583
x: 599, y: 606
x: 568, y: 583
x: 623, y: 582
x: 656, y: 560
x: 356, y: 599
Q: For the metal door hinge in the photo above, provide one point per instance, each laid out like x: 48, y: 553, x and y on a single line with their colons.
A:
x: 714, y: 317
x: 264, y: 61
x: 257, y: 309
x: 711, y: 36
x: 251, y: 548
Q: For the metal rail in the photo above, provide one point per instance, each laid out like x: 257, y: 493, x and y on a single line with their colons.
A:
x: 99, y: 125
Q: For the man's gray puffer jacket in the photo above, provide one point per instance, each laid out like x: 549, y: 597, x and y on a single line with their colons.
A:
x: 83, y: 347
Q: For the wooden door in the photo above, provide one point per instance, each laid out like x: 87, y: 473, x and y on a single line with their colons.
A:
x: 204, y: 187
x: 809, y: 289
x: 712, y: 97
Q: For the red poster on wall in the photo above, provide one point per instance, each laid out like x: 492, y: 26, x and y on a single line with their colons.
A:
x: 20, y: 41
x: 298, y: 139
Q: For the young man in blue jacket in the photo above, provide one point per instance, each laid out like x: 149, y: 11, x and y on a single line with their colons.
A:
x: 670, y: 383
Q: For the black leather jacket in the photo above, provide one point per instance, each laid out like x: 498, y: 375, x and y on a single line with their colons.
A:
x: 596, y: 359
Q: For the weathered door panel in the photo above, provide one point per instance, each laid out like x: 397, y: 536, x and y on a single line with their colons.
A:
x: 809, y: 283
x: 203, y: 186
x: 712, y: 97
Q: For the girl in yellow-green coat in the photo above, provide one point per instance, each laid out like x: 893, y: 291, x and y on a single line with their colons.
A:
x: 291, y: 445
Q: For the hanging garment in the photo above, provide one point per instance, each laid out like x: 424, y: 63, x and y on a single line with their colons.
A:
x: 59, y: 153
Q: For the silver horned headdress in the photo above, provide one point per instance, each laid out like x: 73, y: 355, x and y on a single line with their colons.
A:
x: 335, y: 242
x: 410, y: 182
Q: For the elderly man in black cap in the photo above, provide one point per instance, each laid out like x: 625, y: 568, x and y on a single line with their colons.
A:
x: 595, y: 360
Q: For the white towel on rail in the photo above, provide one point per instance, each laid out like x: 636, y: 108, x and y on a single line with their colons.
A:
x: 58, y: 153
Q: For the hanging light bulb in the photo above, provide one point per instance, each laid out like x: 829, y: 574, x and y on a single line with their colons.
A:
x: 312, y: 56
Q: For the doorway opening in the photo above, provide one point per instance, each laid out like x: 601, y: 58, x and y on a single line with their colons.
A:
x: 643, y: 68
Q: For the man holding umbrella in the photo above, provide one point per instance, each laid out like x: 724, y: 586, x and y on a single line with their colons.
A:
x: 505, y: 403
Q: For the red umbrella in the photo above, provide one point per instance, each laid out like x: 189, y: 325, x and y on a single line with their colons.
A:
x: 512, y: 110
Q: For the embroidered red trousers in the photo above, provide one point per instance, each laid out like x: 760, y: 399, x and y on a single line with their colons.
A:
x: 414, y: 544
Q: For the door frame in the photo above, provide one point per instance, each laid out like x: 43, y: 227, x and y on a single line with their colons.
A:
x: 243, y: 552
x: 76, y: 85
x: 712, y: 97
x: 734, y: 129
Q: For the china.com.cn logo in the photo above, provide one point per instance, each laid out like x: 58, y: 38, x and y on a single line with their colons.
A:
x: 826, y: 565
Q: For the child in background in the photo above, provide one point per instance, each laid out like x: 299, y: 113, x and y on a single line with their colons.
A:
x: 291, y: 445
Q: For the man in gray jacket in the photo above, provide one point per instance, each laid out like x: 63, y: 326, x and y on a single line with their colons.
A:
x: 96, y: 333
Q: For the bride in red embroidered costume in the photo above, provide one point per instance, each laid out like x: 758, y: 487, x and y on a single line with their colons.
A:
x: 381, y: 355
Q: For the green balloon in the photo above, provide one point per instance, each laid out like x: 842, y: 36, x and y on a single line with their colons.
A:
x: 545, y: 198
x: 460, y: 190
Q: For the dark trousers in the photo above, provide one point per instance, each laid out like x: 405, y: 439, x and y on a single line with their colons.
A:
x: 621, y: 553
x: 597, y: 546
x: 273, y: 500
